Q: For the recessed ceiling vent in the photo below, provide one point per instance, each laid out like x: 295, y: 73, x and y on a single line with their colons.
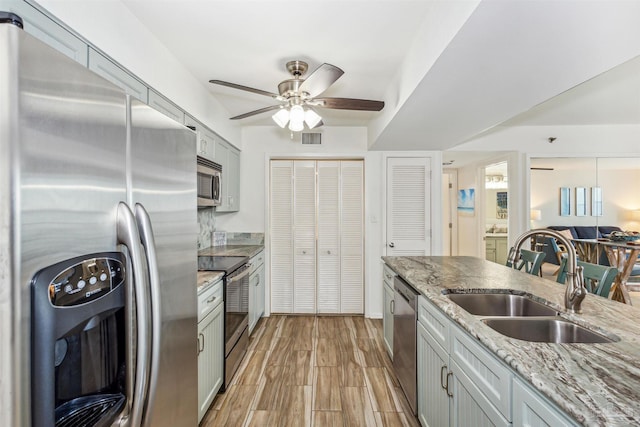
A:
x: 311, y: 138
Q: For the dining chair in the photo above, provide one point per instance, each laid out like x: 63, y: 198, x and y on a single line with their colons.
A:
x: 530, y: 261
x: 597, y: 278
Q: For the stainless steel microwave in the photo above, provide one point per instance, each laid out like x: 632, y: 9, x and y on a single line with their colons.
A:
x: 209, y: 183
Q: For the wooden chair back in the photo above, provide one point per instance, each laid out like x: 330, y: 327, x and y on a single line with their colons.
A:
x: 597, y: 278
x: 530, y: 261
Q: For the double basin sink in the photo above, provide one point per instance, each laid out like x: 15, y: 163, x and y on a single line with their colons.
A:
x: 520, y: 317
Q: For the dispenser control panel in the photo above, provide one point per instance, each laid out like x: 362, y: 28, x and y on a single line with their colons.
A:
x: 85, y: 281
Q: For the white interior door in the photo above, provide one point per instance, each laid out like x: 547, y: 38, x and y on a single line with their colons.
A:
x: 408, y: 206
x: 351, y: 237
x: 329, y: 231
x: 316, y: 235
x: 281, y: 217
x: 304, y: 237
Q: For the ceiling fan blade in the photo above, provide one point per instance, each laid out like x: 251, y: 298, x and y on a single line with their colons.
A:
x: 320, y: 80
x: 350, y: 104
x: 253, y: 113
x: 245, y: 88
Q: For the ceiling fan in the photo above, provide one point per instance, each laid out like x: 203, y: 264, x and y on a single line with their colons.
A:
x: 298, y: 97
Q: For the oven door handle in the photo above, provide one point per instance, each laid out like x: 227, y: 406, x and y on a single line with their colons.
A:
x: 127, y: 234
x: 148, y: 241
x: 239, y: 276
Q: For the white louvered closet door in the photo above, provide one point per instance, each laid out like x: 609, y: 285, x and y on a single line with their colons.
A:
x: 351, y: 237
x: 281, y: 218
x: 408, y: 206
x: 328, y: 290
x: 304, y: 237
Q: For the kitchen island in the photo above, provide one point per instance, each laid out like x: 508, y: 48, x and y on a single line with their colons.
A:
x: 595, y: 384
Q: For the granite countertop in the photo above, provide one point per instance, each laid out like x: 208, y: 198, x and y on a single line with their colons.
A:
x: 232, y: 250
x: 207, y: 278
x: 596, y: 384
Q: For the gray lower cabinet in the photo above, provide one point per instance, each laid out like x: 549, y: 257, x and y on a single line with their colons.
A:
x: 229, y: 157
x: 100, y: 64
x: 433, y: 362
x: 447, y: 391
x: 496, y: 249
x: 387, y: 315
x: 531, y: 409
x: 47, y: 30
x: 210, y: 346
x: 256, y: 290
x: 460, y: 383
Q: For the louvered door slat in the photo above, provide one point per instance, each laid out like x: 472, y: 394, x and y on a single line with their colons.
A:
x: 408, y: 206
x: 351, y: 237
x: 281, y: 217
x: 304, y: 214
x: 328, y: 291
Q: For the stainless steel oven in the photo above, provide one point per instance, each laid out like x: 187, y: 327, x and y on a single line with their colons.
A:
x: 209, y: 183
x: 236, y: 308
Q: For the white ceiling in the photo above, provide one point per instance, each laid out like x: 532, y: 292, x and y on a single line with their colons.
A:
x: 509, y: 57
x: 249, y: 43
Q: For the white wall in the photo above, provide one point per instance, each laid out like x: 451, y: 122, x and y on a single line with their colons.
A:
x: 112, y: 27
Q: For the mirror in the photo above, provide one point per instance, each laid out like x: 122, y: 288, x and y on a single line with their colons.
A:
x: 603, y: 191
x: 596, y: 201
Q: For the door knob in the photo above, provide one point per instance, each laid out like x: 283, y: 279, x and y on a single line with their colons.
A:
x: 391, y: 245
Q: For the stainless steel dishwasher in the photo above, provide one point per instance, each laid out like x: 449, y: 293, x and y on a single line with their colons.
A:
x: 404, y: 339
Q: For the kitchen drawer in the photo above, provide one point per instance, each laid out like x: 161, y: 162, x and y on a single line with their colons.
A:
x: 483, y: 370
x: 256, y: 261
x: 434, y: 321
x: 388, y: 275
x: 209, y: 299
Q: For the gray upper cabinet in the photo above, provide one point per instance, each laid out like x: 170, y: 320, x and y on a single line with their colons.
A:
x: 229, y: 157
x: 165, y: 106
x: 206, y: 139
x: 103, y: 66
x: 50, y: 32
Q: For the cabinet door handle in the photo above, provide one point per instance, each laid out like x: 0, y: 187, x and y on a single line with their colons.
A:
x: 258, y: 282
x: 392, y: 306
x: 201, y: 335
x: 392, y: 245
x: 212, y: 299
x: 388, y: 276
x: 443, y: 369
x: 449, y: 393
x: 328, y: 252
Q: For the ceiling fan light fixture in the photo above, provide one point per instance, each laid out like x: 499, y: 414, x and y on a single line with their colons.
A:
x: 281, y: 117
x: 312, y: 118
x: 296, y: 118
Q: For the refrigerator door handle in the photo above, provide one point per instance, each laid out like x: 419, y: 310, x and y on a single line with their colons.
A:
x: 148, y: 241
x: 128, y: 235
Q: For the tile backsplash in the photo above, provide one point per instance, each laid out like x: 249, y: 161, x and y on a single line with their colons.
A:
x: 207, y: 224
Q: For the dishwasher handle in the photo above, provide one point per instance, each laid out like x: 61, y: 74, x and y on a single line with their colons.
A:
x: 406, y: 291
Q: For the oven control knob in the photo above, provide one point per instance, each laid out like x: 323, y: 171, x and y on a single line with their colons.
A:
x: 92, y: 280
x: 81, y: 284
x: 103, y: 277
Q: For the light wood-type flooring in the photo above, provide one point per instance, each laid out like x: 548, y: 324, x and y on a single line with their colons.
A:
x: 313, y: 371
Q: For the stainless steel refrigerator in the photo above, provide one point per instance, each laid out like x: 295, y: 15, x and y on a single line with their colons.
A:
x: 85, y: 169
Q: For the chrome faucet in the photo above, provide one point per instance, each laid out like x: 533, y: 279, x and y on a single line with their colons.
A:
x: 575, y: 290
